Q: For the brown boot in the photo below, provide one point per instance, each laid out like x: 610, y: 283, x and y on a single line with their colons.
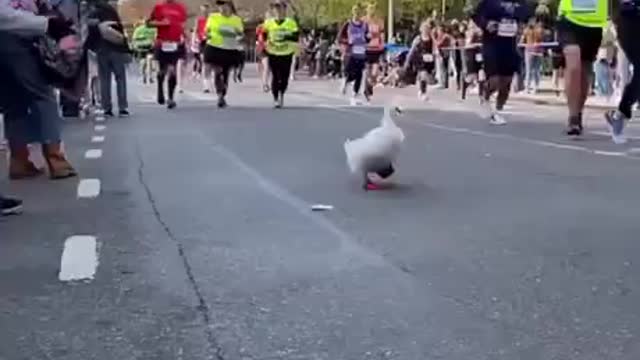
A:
x: 59, y: 167
x: 20, y: 167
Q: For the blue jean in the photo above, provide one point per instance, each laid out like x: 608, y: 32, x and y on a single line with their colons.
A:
x: 533, y: 65
x: 113, y: 62
x: 604, y: 85
x: 30, y: 108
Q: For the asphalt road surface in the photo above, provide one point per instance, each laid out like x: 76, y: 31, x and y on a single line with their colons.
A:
x: 497, y: 242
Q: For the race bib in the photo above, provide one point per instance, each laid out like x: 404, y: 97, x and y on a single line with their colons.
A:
x: 280, y: 35
x: 169, y: 46
x: 584, y: 5
x: 479, y: 57
x: 227, y: 31
x: 428, y: 58
x: 507, y: 28
x: 358, y: 49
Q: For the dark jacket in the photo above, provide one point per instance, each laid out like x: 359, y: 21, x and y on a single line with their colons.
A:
x: 101, y: 12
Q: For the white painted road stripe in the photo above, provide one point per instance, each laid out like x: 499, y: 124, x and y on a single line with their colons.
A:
x: 79, y: 258
x: 100, y: 127
x: 99, y: 118
x: 97, y: 139
x: 89, y: 188
x: 93, y: 154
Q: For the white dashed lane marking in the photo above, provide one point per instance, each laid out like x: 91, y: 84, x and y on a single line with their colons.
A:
x: 88, y: 188
x: 93, y: 154
x: 79, y: 258
x: 100, y: 127
x: 97, y: 139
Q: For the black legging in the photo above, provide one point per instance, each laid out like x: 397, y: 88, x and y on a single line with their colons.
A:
x: 221, y: 79
x: 628, y: 27
x: 457, y: 60
x: 355, y: 71
x: 280, y: 66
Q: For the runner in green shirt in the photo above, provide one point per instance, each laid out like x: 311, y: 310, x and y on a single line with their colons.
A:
x: 144, y: 38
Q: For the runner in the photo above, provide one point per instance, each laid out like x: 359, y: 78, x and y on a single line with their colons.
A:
x: 196, y: 70
x: 144, y: 37
x: 474, y: 71
x: 168, y: 16
x: 627, y: 19
x: 281, y: 34
x: 354, y: 37
x: 421, y: 56
x: 580, y: 34
x: 499, y: 21
x: 225, y: 31
x: 375, y: 49
x: 201, y: 34
x: 261, y: 55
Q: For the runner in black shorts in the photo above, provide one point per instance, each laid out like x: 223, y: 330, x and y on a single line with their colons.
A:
x: 168, y: 16
x: 421, y: 57
x: 500, y: 21
x: 580, y: 46
x: 375, y: 49
x: 474, y: 63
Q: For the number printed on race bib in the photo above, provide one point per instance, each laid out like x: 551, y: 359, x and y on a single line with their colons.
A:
x: 428, y: 58
x: 359, y: 49
x: 507, y: 28
x: 479, y: 57
x: 168, y: 46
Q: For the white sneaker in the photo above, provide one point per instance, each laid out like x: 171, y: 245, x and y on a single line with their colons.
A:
x: 423, y: 96
x: 497, y: 119
x: 355, y: 101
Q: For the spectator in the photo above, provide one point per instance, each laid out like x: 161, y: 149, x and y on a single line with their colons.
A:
x: 112, y: 53
x: 443, y: 43
x: 31, y: 111
x: 532, y: 36
x: 17, y: 26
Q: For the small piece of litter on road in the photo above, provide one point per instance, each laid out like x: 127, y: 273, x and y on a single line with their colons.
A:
x: 321, y: 207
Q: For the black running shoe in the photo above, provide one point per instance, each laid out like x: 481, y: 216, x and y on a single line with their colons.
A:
x: 574, y: 130
x: 108, y: 113
x: 171, y: 104
x: 222, y: 103
x: 9, y: 206
x: 124, y: 113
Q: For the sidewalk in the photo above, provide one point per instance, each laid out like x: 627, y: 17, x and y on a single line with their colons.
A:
x: 548, y: 95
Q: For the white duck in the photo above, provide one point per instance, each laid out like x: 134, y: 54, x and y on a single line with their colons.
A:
x: 375, y: 152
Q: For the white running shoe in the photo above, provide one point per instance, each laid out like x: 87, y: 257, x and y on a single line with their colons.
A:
x: 355, y: 101
x: 423, y: 97
x: 497, y: 119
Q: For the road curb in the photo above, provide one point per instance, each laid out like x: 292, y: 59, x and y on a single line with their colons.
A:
x: 560, y: 102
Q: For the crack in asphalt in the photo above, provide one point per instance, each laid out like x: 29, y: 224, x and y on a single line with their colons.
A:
x: 203, y: 307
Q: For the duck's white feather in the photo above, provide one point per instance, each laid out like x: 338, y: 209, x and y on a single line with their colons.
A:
x: 377, y: 148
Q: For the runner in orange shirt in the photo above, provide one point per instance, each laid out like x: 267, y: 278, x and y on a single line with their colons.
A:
x: 375, y: 49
